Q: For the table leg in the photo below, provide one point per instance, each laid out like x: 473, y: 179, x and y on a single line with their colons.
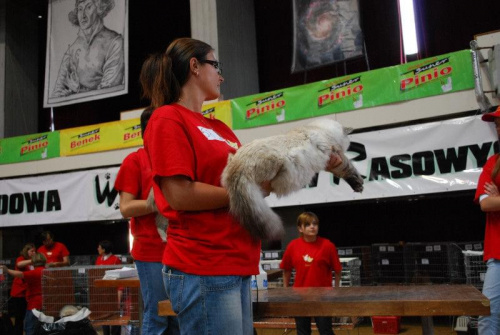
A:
x: 427, y: 325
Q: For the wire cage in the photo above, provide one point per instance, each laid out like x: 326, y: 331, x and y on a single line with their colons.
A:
x: 75, y: 286
x: 432, y: 262
x: 388, y: 263
x: 364, y: 254
x: 351, y: 274
x: 475, y: 268
x: 5, y: 285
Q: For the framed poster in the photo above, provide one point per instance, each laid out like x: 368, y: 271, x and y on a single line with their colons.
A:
x: 87, y: 51
x: 325, y: 32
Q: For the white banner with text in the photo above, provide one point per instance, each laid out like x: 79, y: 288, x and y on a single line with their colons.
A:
x: 434, y: 157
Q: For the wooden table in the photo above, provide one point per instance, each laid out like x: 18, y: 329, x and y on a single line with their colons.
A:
x: 132, y: 282
x: 416, y: 300
x: 125, y: 282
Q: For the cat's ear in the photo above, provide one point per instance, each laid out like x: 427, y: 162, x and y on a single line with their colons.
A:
x: 348, y: 130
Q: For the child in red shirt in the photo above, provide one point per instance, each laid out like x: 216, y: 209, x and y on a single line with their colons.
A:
x: 33, y: 280
x: 17, y: 301
x: 313, y: 259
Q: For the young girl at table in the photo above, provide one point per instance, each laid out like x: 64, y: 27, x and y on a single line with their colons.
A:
x: 313, y: 258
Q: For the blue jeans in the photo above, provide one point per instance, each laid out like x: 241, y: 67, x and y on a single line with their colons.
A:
x: 490, y: 325
x: 30, y: 322
x: 152, y: 290
x: 207, y: 305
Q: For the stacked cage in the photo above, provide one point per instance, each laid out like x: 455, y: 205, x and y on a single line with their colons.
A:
x: 463, y: 246
x: 351, y: 274
x: 5, y: 285
x: 432, y: 262
x: 76, y: 286
x: 388, y: 263
x: 475, y: 268
x: 364, y: 254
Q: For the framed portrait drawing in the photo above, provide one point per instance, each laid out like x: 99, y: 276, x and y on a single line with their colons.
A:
x: 87, y: 51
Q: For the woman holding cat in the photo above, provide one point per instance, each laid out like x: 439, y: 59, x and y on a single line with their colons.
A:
x: 209, y: 256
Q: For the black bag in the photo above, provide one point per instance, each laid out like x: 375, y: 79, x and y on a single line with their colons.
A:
x: 82, y: 327
x: 6, y: 326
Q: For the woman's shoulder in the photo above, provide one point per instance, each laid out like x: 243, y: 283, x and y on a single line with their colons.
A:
x: 167, y: 112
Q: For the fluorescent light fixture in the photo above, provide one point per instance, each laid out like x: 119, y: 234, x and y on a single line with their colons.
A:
x: 408, y: 24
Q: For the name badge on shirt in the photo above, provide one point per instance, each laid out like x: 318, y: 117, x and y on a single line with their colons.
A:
x: 211, y: 135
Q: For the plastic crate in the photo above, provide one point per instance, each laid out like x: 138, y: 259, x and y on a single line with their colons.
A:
x: 386, y: 324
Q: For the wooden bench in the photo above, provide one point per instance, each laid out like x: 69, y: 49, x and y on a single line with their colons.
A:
x: 393, y: 300
x: 165, y: 309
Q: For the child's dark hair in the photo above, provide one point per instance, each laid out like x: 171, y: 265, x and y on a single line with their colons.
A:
x: 163, y: 74
x: 38, y: 259
x: 26, y: 248
x: 145, y: 116
x: 46, y: 234
x: 107, y: 246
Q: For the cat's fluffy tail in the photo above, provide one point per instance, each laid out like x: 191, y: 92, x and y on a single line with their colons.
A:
x: 248, y: 205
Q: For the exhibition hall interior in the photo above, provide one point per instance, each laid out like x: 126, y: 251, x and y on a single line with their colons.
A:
x: 414, y: 112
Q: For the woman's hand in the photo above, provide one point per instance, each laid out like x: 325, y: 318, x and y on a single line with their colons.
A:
x: 334, y: 162
x: 491, y: 190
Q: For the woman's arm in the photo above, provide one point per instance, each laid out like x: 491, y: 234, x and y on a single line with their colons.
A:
x: 184, y: 194
x: 13, y: 273
x: 492, y: 202
x: 24, y: 263
x: 338, y: 275
x: 65, y: 262
x: 130, y: 206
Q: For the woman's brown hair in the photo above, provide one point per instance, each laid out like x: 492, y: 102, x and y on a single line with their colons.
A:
x: 163, y: 74
x: 496, y: 168
x: 26, y: 248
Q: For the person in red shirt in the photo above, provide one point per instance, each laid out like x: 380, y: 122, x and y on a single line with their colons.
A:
x: 209, y: 257
x: 134, y: 182
x: 17, y: 301
x: 488, y: 198
x: 56, y: 252
x: 313, y: 258
x: 33, y: 280
x: 106, y: 257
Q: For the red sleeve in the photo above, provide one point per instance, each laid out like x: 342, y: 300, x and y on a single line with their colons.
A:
x: 287, y: 260
x: 127, y: 179
x: 485, y: 177
x: 64, y: 250
x: 170, y: 148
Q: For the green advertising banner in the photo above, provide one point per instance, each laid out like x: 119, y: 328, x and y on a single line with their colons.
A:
x: 29, y: 147
x: 423, y: 78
